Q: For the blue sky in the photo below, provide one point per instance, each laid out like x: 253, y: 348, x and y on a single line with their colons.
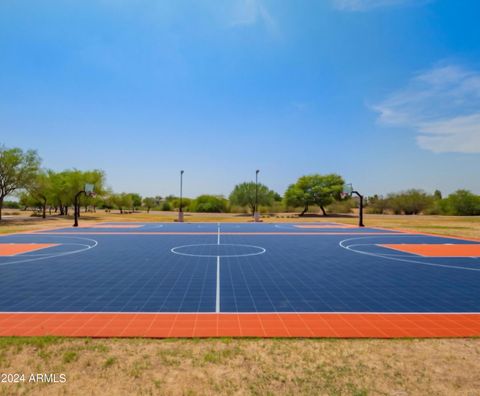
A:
x: 383, y: 92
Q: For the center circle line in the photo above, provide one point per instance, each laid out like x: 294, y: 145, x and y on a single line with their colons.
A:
x: 260, y: 249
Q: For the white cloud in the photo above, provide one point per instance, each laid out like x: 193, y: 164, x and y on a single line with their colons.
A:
x: 363, y: 5
x: 252, y: 12
x: 442, y: 105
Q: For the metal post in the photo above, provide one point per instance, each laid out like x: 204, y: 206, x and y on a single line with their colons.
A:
x: 75, y: 208
x: 360, y: 209
x: 255, y: 212
x: 180, y: 210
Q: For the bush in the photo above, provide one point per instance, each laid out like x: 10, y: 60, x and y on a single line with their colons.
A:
x: 409, y: 202
x: 209, y: 204
x: 461, y: 203
x: 166, y: 207
x: 175, y: 203
x: 376, y: 205
x: 343, y: 206
x: 11, y: 205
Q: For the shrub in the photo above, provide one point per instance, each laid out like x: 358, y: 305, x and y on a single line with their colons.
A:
x: 409, y: 202
x: 166, y: 206
x: 11, y: 205
x: 343, y: 206
x: 209, y: 204
x: 461, y: 203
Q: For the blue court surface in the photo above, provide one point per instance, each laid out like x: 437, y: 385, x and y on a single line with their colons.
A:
x: 237, y: 268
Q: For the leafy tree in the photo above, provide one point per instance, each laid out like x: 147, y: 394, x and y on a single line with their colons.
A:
x: 244, y: 195
x: 66, y: 184
x: 122, y: 201
x: 175, y: 203
x: 18, y: 169
x: 461, y: 203
x: 377, y: 204
x: 209, y: 203
x: 166, y: 206
x: 28, y: 201
x: 149, y: 203
x: 41, y: 189
x: 11, y: 204
x: 316, y: 189
x: 410, y: 202
x: 136, y: 201
x: 296, y: 197
x: 277, y: 197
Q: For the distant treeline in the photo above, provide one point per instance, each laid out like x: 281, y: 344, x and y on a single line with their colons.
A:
x: 459, y: 203
x: 46, y: 191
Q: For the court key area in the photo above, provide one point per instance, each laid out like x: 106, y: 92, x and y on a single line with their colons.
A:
x: 238, y: 279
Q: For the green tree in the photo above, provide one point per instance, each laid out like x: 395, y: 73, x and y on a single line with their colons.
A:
x: 11, y: 204
x: 209, y: 203
x: 28, y: 201
x: 410, y: 202
x: 316, y: 189
x: 149, y: 203
x: 461, y: 203
x: 18, y: 169
x: 122, y: 201
x: 377, y: 204
x: 41, y: 189
x: 166, y: 206
x: 136, y: 201
x: 244, y: 195
x: 296, y: 197
x: 175, y: 203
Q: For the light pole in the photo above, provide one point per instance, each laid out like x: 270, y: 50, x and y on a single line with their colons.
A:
x: 180, y: 210
x: 256, y: 216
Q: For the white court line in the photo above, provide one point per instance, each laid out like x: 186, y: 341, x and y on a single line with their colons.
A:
x: 388, y: 257
x: 55, y: 255
x: 176, y: 249
x: 217, y: 293
x: 217, y: 299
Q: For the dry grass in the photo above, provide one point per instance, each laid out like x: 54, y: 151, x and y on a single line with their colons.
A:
x: 248, y: 366
x: 242, y: 366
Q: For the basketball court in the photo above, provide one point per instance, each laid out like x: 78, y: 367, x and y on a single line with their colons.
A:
x: 247, y: 279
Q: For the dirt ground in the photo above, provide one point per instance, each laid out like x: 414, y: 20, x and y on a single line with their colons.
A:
x: 245, y: 366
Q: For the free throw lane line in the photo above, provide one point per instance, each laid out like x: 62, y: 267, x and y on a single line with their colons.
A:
x: 217, y: 294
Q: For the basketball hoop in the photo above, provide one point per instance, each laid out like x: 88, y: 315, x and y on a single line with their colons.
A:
x: 89, y: 190
x: 347, y: 191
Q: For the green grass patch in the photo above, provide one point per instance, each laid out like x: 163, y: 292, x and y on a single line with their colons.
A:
x: 37, y: 342
x: 70, y: 356
x: 109, y: 362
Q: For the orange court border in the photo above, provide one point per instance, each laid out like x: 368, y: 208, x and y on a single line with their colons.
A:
x: 173, y: 325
